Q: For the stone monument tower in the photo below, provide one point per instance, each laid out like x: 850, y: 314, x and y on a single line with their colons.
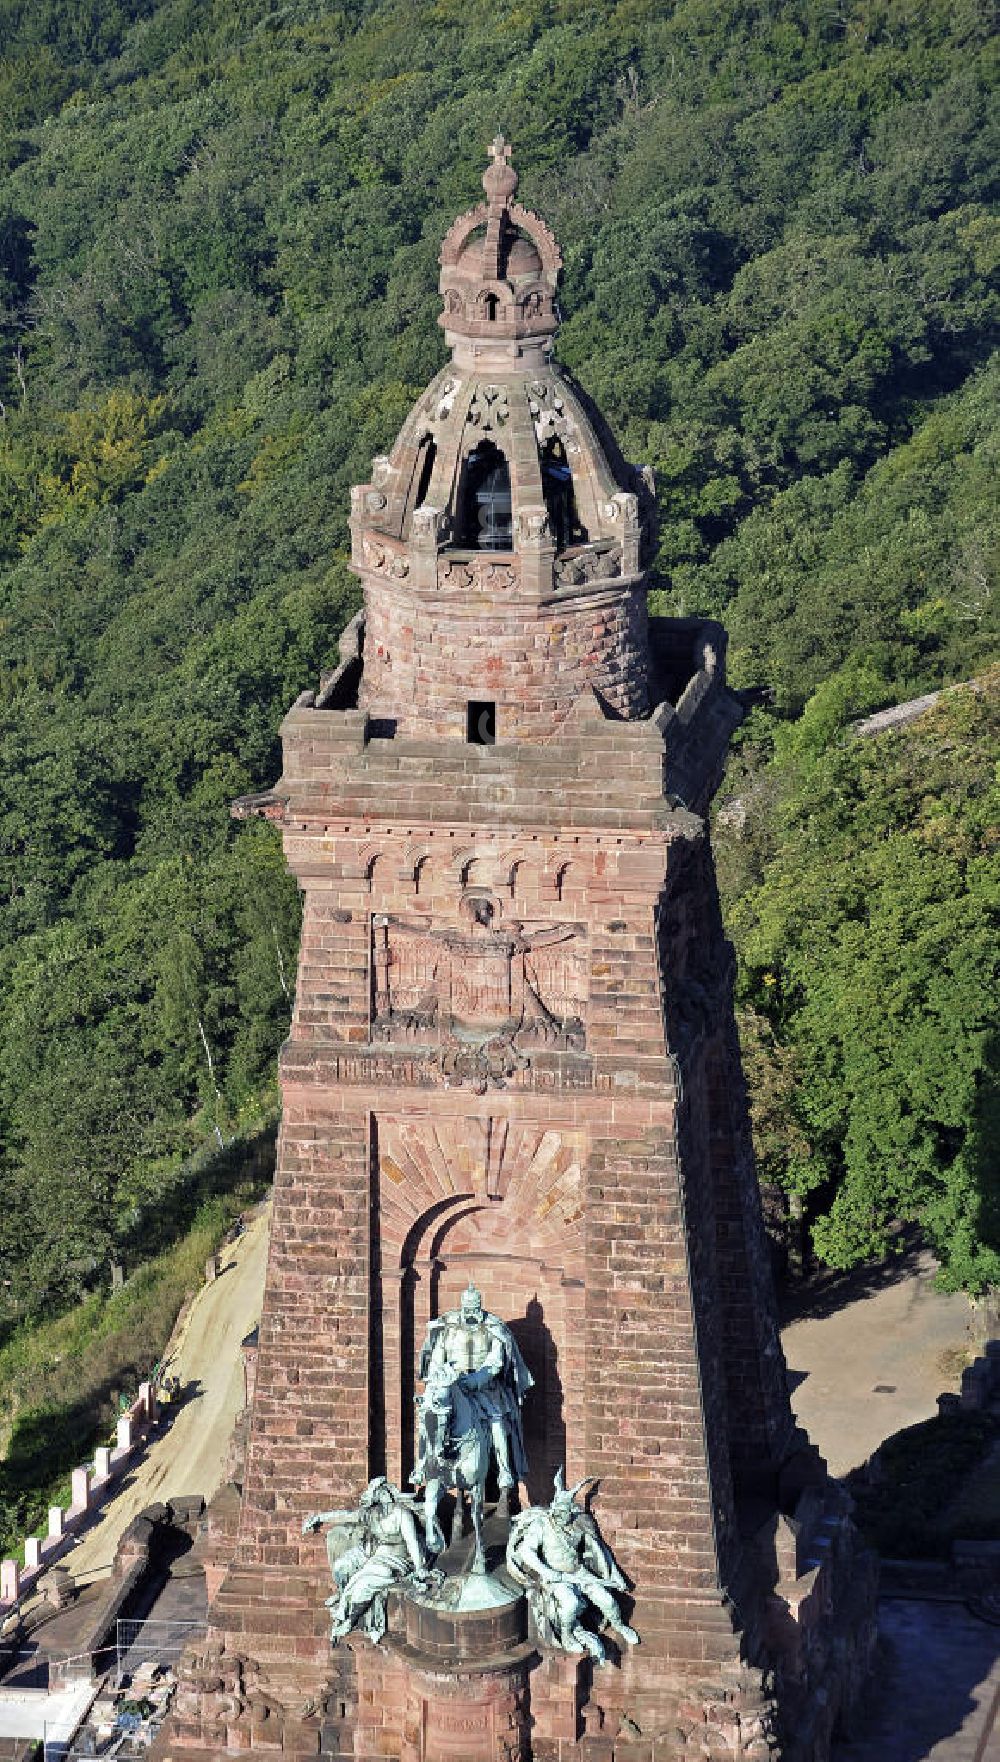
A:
x: 515, y: 1125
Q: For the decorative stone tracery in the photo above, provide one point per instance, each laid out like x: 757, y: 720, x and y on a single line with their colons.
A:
x: 478, y: 575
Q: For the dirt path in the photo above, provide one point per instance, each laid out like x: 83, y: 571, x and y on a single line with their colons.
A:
x: 189, y: 1457
x: 870, y: 1354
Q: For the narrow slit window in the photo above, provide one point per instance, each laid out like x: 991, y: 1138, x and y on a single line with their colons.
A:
x: 481, y: 724
x: 428, y: 453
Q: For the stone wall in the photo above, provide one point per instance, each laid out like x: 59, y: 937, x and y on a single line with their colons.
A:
x: 427, y: 656
x: 308, y: 1444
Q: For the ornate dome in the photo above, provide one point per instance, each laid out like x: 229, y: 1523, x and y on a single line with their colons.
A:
x: 503, y: 508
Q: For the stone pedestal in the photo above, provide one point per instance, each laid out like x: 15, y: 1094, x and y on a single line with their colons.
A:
x: 490, y: 1618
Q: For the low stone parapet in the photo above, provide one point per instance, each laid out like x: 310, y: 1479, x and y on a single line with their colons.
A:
x: 89, y: 1488
x: 981, y: 1380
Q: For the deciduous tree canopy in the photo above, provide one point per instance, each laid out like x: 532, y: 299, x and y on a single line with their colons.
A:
x: 218, y: 233
x: 865, y: 898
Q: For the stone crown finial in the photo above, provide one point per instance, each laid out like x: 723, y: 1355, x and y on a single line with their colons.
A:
x: 499, y: 268
x: 500, y: 178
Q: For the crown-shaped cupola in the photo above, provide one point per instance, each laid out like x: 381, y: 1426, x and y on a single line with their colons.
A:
x: 499, y: 270
x: 501, y: 540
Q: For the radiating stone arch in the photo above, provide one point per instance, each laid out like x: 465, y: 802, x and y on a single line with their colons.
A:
x: 369, y: 857
x: 414, y: 858
x: 513, y: 869
x: 500, y: 1200
x: 461, y: 860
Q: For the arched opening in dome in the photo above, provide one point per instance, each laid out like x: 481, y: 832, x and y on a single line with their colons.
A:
x: 426, y: 455
x: 491, y: 306
x: 560, y: 501
x: 485, y: 509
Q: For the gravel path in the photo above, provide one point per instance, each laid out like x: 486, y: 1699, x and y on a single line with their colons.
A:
x: 189, y: 1457
x: 869, y: 1354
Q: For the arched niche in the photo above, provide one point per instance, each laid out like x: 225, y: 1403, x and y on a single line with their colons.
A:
x: 511, y: 1223
x: 560, y: 496
x: 423, y: 471
x: 527, y: 1285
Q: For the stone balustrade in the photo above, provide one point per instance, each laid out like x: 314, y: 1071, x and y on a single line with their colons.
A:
x: 90, y: 1487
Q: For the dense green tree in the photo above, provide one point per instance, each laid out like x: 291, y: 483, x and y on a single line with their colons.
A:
x: 866, y: 904
x: 218, y: 238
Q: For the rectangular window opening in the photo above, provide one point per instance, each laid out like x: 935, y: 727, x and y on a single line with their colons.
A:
x: 481, y: 724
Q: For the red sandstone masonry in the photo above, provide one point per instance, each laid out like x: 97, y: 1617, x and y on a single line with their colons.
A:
x: 513, y: 1058
x: 427, y: 659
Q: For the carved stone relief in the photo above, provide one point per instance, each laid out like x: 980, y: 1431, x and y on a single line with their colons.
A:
x: 550, y: 416
x: 439, y: 405
x: 478, y: 575
x: 588, y: 563
x: 382, y: 559
x: 484, y: 995
x: 532, y: 526
x: 429, y: 526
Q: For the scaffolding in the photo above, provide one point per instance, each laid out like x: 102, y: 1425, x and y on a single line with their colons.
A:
x: 139, y: 1655
x: 160, y: 1642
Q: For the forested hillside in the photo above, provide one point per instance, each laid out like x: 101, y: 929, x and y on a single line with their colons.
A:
x: 863, y: 894
x: 218, y: 236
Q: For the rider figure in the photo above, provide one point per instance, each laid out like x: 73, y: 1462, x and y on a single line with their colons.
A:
x: 479, y: 1350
